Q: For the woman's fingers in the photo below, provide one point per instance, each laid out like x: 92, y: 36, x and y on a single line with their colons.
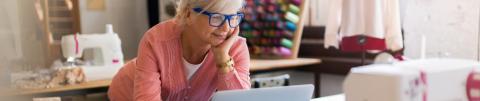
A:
x: 227, y: 44
x: 230, y: 39
x: 234, y: 35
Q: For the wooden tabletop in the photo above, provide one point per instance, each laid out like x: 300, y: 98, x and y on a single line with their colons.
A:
x: 256, y: 65
x: 259, y: 64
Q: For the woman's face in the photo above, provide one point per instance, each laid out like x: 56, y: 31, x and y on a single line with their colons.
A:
x: 210, y: 34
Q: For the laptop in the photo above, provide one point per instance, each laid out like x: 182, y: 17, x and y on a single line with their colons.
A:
x: 284, y: 93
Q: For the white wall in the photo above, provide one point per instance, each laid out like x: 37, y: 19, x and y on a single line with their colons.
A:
x: 451, y: 26
x: 318, y: 12
x: 9, y: 29
x: 22, y: 39
x: 22, y: 42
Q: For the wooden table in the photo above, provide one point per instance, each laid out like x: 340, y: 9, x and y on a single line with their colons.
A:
x: 262, y: 65
x: 102, y: 85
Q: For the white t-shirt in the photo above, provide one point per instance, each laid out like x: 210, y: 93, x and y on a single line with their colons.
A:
x: 190, y: 69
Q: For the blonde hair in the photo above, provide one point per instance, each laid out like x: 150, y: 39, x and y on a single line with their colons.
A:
x: 184, y: 6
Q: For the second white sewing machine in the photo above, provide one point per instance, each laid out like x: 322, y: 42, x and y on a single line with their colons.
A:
x: 415, y: 80
x: 107, y: 57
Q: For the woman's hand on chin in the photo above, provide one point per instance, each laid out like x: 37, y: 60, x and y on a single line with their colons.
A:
x: 221, y: 51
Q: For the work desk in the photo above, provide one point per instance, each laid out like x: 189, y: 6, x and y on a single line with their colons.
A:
x: 102, y: 85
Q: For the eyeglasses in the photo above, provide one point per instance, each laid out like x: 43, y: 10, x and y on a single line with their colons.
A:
x: 217, y: 20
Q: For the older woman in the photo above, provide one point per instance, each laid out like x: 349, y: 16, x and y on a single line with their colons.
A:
x: 189, y: 57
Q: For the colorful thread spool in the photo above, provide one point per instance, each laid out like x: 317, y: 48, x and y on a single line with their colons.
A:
x: 287, y: 34
x: 266, y: 50
x: 281, y: 2
x: 256, y: 33
x: 276, y: 51
x: 278, y: 33
x: 296, y: 2
x: 264, y: 41
x: 294, y: 9
x: 269, y: 17
x: 250, y: 3
x: 286, y: 43
x: 251, y: 41
x: 269, y: 26
x: 260, y: 9
x: 258, y: 25
x: 243, y: 33
x: 284, y: 51
x: 276, y: 16
x: 290, y: 26
x: 247, y: 34
x: 262, y: 16
x: 247, y: 18
x: 250, y: 17
x: 246, y: 26
x: 280, y: 25
x: 264, y: 33
x: 271, y: 8
x: 282, y: 8
x: 251, y: 49
x: 257, y: 50
x: 250, y: 34
x: 270, y: 1
x: 275, y: 42
x: 291, y: 17
x: 259, y: 2
x: 266, y: 26
x: 256, y: 41
x: 272, y: 25
x: 249, y: 10
x: 272, y: 33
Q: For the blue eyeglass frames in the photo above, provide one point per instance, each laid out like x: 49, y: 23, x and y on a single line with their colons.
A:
x: 217, y: 20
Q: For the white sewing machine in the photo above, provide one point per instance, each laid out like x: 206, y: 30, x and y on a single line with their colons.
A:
x: 107, y: 54
x: 415, y: 80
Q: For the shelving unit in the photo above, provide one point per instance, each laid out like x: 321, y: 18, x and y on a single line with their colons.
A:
x: 273, y: 28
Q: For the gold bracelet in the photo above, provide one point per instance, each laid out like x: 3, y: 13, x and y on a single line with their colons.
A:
x: 229, y: 63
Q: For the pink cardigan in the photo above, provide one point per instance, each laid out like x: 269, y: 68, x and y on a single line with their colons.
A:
x: 158, y: 74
